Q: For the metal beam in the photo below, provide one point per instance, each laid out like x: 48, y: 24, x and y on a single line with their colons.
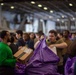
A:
x: 63, y: 12
x: 34, y: 11
x: 69, y: 10
x: 37, y: 8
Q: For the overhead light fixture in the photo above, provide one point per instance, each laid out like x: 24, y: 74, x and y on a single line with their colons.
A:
x: 70, y: 4
x: 45, y: 8
x: 73, y: 18
x: 62, y: 16
x: 12, y: 7
x: 58, y: 19
x: 32, y: 2
x: 51, y: 11
x: 39, y: 5
x: 2, y: 3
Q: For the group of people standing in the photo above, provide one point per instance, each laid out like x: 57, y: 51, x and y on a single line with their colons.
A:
x: 10, y: 44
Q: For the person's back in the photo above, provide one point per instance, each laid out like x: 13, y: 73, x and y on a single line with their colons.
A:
x: 13, y: 46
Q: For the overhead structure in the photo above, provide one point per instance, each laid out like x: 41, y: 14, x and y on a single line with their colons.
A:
x: 63, y: 12
x: 55, y: 8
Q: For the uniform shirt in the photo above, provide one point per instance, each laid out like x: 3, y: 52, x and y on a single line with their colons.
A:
x: 59, y: 50
x: 6, y: 56
x: 68, y: 42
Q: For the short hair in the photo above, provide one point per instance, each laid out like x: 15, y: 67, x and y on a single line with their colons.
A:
x: 61, y: 34
x: 19, y: 32
x: 3, y: 34
x: 12, y: 39
x: 67, y: 31
x: 53, y: 31
x: 27, y: 36
x: 40, y: 33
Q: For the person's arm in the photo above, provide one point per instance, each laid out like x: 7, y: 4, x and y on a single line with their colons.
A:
x: 36, y: 44
x: 5, y: 61
x: 61, y: 45
x: 10, y: 62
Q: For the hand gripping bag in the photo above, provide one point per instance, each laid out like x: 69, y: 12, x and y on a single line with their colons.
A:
x: 43, y: 61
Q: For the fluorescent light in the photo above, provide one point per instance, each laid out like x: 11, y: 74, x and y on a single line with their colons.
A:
x: 45, y: 8
x: 62, y: 16
x: 51, y: 11
x: 32, y: 2
x: 12, y: 7
x: 73, y: 18
x: 2, y: 3
x: 70, y: 4
x: 58, y: 19
x: 39, y: 5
